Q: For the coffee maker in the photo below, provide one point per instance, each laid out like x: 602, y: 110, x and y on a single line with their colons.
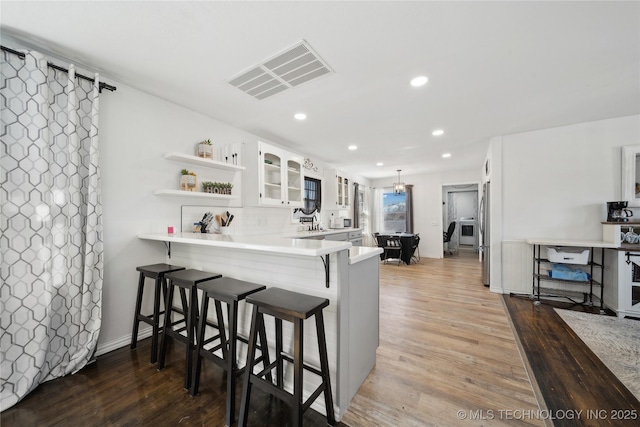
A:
x: 618, y: 212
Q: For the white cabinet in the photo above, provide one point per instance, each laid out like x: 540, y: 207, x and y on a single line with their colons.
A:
x: 337, y: 190
x: 627, y: 299
x: 626, y: 269
x: 280, y: 177
x: 337, y: 237
x: 209, y: 170
x: 355, y: 237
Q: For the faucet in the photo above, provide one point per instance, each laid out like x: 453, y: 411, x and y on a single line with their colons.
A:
x: 313, y: 227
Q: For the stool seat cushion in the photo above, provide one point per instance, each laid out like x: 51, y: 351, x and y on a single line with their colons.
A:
x: 154, y: 270
x: 191, y: 277
x: 229, y: 289
x: 288, y: 302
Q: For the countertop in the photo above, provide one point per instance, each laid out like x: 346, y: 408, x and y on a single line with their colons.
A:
x: 311, y: 234
x: 283, y: 244
x: 360, y: 253
x: 574, y: 243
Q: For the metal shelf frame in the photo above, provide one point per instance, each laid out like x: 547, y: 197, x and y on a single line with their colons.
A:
x: 588, y: 297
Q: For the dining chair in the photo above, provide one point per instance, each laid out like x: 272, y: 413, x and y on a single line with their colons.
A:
x: 446, y: 238
x: 415, y: 242
x: 392, y: 248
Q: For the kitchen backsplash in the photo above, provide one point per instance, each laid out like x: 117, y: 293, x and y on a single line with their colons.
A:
x: 246, y: 221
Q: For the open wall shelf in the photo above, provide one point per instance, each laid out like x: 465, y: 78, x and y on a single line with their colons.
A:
x: 199, y: 161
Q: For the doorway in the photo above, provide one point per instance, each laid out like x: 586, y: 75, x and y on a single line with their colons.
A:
x: 460, y: 204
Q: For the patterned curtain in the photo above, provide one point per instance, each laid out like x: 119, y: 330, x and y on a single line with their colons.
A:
x: 50, y: 223
x: 408, y: 188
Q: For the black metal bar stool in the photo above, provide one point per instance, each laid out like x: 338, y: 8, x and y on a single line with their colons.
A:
x: 293, y: 307
x: 184, y: 280
x: 230, y: 291
x: 156, y: 272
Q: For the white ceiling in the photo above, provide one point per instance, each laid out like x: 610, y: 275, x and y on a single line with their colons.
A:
x: 494, y: 68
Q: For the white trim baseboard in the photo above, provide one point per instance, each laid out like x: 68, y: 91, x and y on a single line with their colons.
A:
x: 104, y: 348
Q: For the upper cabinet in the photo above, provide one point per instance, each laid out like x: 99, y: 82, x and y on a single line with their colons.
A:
x: 337, y: 190
x: 279, y: 180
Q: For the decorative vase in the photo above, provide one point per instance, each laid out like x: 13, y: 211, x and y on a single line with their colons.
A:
x: 188, y: 182
x: 205, y: 151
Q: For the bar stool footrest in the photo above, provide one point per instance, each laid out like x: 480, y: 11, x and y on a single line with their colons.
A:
x: 310, y: 368
x: 266, y: 370
x: 271, y: 388
x: 313, y: 397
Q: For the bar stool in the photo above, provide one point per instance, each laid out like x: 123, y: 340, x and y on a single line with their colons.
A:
x: 156, y: 272
x: 293, y: 307
x: 229, y: 291
x: 184, y: 280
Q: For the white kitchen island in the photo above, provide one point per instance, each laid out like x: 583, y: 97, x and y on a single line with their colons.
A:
x: 351, y: 283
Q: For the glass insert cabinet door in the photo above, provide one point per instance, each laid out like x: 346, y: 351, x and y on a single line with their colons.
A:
x: 295, y: 180
x: 342, y: 192
x: 281, y: 177
x: 345, y: 192
x: 272, y: 179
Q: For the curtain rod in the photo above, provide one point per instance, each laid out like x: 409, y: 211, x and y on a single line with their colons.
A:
x: 55, y: 67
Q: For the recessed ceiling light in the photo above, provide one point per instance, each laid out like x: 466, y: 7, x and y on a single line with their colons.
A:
x: 300, y: 116
x: 446, y: 155
x: 437, y: 132
x: 353, y: 147
x: 379, y: 164
x: 419, y: 81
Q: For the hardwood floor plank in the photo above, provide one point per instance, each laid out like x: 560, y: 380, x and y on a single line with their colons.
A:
x: 445, y: 346
x: 123, y: 389
x: 568, y: 375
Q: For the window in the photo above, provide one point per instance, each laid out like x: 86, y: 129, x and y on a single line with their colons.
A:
x: 362, y: 209
x: 394, y: 213
x: 312, y: 199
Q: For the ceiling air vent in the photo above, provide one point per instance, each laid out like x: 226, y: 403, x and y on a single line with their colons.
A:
x: 292, y: 67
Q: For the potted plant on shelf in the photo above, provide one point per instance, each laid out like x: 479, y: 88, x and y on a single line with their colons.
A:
x: 226, y: 188
x: 188, y: 180
x: 207, y: 187
x: 205, y: 149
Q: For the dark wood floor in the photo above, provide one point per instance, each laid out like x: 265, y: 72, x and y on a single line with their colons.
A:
x: 123, y: 389
x: 566, y: 375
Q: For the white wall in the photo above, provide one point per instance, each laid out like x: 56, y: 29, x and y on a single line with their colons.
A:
x: 427, y: 206
x: 136, y: 130
x: 555, y: 183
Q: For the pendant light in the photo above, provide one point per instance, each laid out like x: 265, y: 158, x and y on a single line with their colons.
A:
x: 398, y: 187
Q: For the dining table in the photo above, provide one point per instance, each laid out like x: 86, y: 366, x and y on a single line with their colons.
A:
x: 406, y: 242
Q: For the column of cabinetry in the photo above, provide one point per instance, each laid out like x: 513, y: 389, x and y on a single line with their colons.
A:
x: 337, y: 190
x: 276, y: 176
x: 218, y: 171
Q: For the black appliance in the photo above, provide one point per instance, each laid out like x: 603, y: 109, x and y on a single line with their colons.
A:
x: 618, y: 212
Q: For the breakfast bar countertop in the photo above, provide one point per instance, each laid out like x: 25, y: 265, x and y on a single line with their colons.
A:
x: 360, y: 253
x: 303, y: 247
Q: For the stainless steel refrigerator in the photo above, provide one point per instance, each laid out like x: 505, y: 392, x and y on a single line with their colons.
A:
x: 485, y: 227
